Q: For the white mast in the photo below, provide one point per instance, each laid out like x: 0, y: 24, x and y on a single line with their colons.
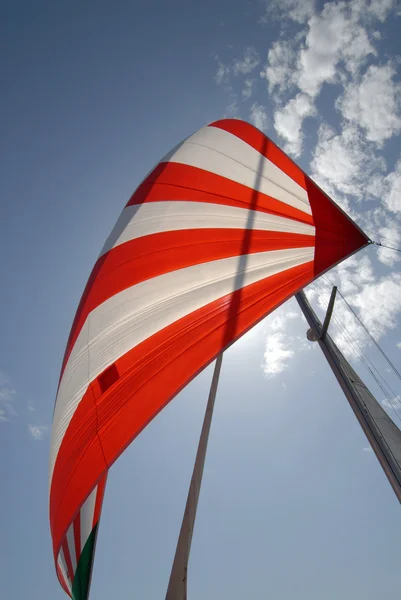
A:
x: 382, y: 433
x: 177, y: 587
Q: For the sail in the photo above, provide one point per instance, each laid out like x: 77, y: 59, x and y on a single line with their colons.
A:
x: 223, y: 230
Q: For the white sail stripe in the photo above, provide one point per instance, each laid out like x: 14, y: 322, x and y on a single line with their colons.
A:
x: 86, y: 516
x: 63, y: 567
x: 156, y: 217
x: 133, y: 315
x: 231, y: 145
x: 71, y: 546
x: 224, y: 154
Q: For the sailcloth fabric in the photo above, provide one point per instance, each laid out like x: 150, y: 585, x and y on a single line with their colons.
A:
x: 222, y: 231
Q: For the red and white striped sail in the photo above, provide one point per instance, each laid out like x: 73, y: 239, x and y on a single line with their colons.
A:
x: 220, y: 233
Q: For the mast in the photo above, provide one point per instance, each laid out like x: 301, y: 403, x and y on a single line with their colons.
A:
x: 382, y: 433
x: 177, y: 587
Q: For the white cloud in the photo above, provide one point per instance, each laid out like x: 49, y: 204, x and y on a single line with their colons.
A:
x: 392, y: 189
x: 38, y: 431
x: 247, y: 64
x: 279, y: 342
x: 259, y: 117
x: 237, y: 67
x: 277, y: 352
x: 288, y: 122
x: 374, y: 103
x: 247, y: 90
x: 336, y: 46
x: 279, y: 320
x: 321, y: 53
x: 390, y: 234
x: 399, y: 345
x: 357, y: 48
x: 345, y: 162
x: 380, y: 304
x: 222, y: 73
x: 378, y: 8
x: 232, y: 109
x: 296, y: 10
x: 279, y: 70
x: 7, y: 397
x: 335, y: 36
x: 367, y: 449
x: 393, y: 402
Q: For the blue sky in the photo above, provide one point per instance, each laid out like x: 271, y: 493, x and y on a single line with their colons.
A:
x: 294, y: 504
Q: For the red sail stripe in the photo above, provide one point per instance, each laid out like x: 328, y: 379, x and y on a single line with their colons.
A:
x: 175, y: 181
x: 255, y: 138
x: 150, y: 375
x: 143, y: 258
x: 67, y: 557
x: 62, y: 580
x: 77, y: 535
x: 99, y: 500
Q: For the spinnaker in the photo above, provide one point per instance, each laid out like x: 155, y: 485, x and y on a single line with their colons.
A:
x: 223, y: 230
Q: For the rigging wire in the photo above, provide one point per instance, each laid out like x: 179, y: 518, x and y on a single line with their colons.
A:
x: 356, y: 346
x: 396, y: 242
x: 390, y: 363
x: 367, y: 331
x: 382, y: 237
x: 389, y: 392
x: 390, y: 395
x: 385, y: 246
